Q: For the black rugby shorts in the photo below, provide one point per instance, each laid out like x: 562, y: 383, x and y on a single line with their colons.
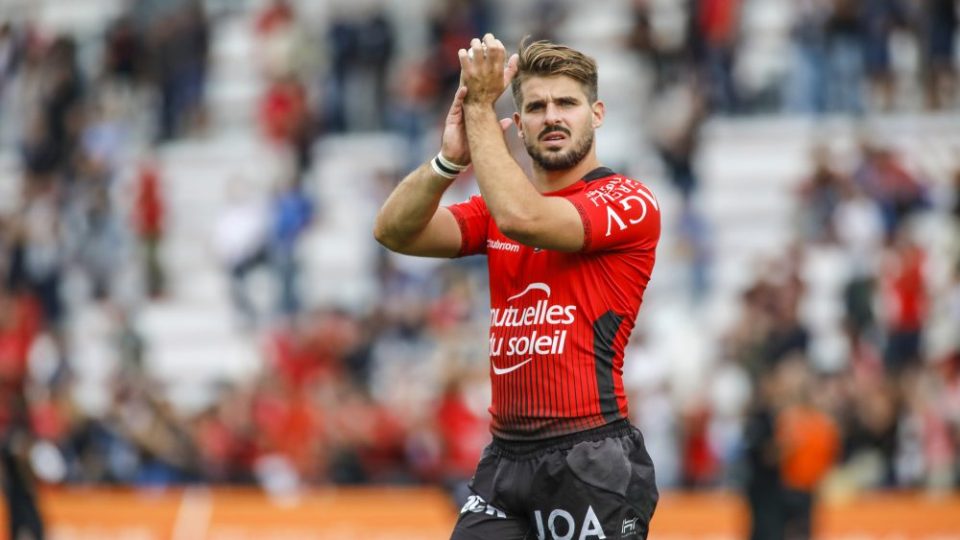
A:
x: 596, y: 484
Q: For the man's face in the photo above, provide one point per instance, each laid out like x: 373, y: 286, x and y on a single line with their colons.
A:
x: 556, y: 121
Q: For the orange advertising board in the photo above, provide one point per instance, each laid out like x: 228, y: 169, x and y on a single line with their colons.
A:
x: 427, y: 514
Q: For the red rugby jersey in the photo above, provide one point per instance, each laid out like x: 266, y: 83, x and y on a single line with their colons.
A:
x: 559, y: 322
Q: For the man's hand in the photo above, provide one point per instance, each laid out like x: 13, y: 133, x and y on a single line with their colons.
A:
x: 483, y: 71
x: 453, y: 143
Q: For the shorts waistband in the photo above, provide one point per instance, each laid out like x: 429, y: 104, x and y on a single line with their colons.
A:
x: 531, y: 449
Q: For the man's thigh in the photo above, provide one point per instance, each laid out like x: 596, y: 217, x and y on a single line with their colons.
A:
x: 479, y: 520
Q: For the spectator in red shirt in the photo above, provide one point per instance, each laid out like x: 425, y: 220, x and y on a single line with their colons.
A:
x: 904, y: 293
x: 148, y: 215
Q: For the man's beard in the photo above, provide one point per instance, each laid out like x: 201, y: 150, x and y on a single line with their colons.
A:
x: 558, y: 161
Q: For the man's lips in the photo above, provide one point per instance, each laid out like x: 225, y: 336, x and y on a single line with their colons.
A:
x: 553, y: 136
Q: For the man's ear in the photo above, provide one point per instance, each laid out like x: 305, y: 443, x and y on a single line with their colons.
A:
x: 516, y: 121
x: 599, y: 111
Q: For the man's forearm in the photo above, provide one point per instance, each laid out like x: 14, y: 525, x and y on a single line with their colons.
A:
x: 511, y: 198
x: 408, y: 210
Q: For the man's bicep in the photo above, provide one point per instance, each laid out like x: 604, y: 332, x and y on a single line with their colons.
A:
x: 559, y: 227
x: 440, y: 238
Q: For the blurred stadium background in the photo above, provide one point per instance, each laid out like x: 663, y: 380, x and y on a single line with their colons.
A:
x: 199, y: 337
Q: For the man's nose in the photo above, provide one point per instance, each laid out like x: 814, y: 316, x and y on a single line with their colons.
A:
x: 552, y: 116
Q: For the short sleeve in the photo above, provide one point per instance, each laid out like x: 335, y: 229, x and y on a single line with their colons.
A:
x: 618, y: 213
x: 473, y: 218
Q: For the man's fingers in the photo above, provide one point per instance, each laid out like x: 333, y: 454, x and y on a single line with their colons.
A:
x: 458, y: 100
x: 510, y: 71
x: 505, y: 124
x: 477, y: 48
x: 494, y: 48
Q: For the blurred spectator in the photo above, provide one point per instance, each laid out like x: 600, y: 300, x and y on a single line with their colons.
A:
x: 362, y: 47
x: 124, y: 52
x: 226, y: 439
x: 18, y: 325
x: 276, y: 15
x: 283, y: 46
x: 62, y: 101
x: 655, y: 411
x: 859, y: 227
x: 23, y: 514
x: 701, y: 466
x: 292, y: 213
x: 660, y: 34
x: 808, y: 441
x: 762, y: 485
x: 180, y: 43
x: 149, y: 212
x: 884, y: 177
x: 414, y: 94
x: 937, y: 32
x: 240, y: 241
x: 904, y: 294
x: 98, y: 235
x: 452, y: 24
x: 820, y: 195
x: 844, y: 30
x: 375, y: 52
x: 463, y: 432
x: 769, y: 329
x: 679, y: 116
x: 342, y: 38
x: 926, y: 447
x: 804, y: 91
x: 870, y: 431
x: 715, y: 33
x: 694, y: 244
x: 164, y: 451
x: 286, y: 119
x: 881, y: 17
x: 547, y: 17
x: 10, y: 51
x: 36, y: 263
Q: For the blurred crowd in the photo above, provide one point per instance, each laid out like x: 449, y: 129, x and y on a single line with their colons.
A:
x: 847, y: 56
x: 396, y: 392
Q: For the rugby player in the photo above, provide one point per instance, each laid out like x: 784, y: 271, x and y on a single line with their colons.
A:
x: 570, y: 252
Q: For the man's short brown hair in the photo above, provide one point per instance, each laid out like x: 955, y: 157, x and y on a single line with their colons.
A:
x: 546, y: 59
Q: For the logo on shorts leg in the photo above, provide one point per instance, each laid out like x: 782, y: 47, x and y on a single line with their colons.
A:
x: 629, y: 528
x: 563, y: 526
x: 477, y: 505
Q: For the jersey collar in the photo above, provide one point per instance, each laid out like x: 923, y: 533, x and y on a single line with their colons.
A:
x: 598, y: 173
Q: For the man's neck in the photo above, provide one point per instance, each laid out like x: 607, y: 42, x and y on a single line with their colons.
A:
x: 548, y: 181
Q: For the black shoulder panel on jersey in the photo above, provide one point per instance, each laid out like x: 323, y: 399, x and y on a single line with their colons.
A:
x: 598, y: 173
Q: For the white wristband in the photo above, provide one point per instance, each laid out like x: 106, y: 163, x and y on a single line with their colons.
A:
x: 447, y: 164
x: 440, y: 172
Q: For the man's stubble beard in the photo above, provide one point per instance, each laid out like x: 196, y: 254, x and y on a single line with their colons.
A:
x: 558, y: 161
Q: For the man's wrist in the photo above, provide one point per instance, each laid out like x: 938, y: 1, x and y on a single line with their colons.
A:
x: 446, y: 168
x: 478, y: 107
